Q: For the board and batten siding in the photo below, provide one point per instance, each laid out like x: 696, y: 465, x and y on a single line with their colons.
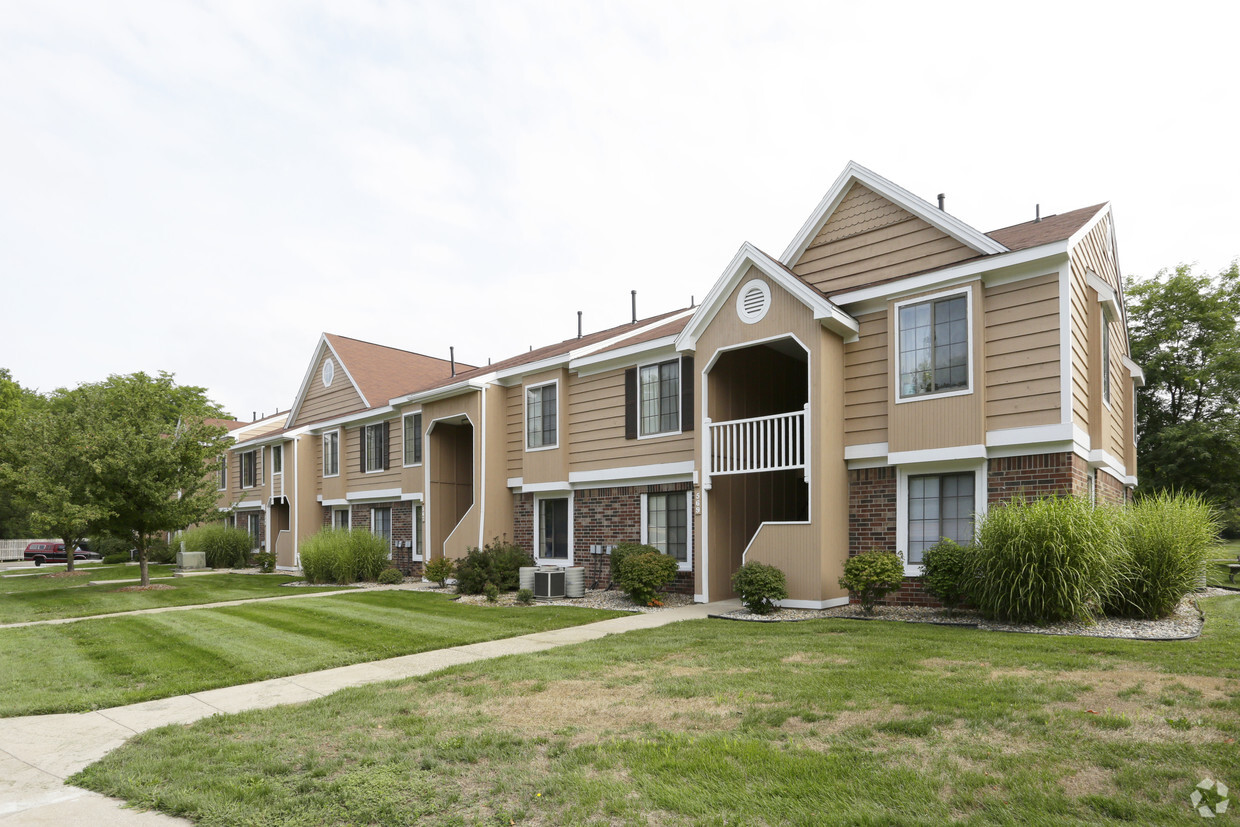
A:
x: 324, y: 403
x: 1022, y: 353
x: 596, y: 428
x: 866, y: 382
x: 868, y: 239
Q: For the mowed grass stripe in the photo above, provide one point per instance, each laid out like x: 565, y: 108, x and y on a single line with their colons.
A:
x: 114, y: 661
x: 23, y: 581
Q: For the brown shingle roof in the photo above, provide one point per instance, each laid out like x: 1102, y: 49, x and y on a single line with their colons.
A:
x: 1051, y: 228
x: 230, y: 424
x: 671, y: 328
x: 385, y: 372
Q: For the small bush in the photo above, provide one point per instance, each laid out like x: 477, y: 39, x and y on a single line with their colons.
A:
x: 158, y: 551
x: 643, y: 575
x: 871, y: 575
x: 109, y: 545
x: 439, y: 570
x: 759, y: 586
x: 266, y: 562
x: 525, y: 596
x: 390, y: 577
x: 119, y: 557
x: 225, y: 547
x: 1046, y: 560
x: 1167, y: 541
x: 623, y: 551
x: 491, y: 591
x: 949, y: 569
x: 497, y: 562
x: 337, y: 555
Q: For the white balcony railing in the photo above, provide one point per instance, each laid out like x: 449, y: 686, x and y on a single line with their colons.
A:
x: 762, y: 443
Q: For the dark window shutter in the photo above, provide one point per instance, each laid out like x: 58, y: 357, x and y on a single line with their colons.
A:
x: 361, y: 447
x: 630, y: 403
x: 387, y: 441
x: 687, y: 380
x: 417, y: 439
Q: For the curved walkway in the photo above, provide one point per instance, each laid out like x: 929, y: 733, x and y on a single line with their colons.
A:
x: 38, y: 752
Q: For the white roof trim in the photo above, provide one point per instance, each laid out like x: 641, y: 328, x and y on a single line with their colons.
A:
x: 1089, y: 225
x: 748, y: 255
x: 305, y: 383
x: 897, y: 195
x: 1135, y: 371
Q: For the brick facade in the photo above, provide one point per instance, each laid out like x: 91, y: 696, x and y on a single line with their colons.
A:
x: 871, y: 510
x: 1036, y: 475
x: 601, y: 516
x: 402, y: 530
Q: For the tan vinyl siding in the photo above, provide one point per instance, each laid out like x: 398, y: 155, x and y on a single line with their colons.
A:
x: 332, y: 488
x: 1022, y: 353
x: 596, y: 429
x: 324, y: 403
x: 866, y: 382
x: 413, y: 478
x: 514, y: 429
x: 868, y: 239
x: 549, y: 465
x: 351, y: 454
x: 257, y: 492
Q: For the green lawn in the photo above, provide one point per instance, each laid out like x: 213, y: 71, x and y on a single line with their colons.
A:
x: 716, y: 722
x: 113, y: 661
x: 36, y: 579
x: 39, y: 598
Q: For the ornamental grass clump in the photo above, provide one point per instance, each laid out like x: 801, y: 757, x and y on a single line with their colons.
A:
x: 225, y: 547
x: 1167, y: 542
x: 759, y: 586
x: 1046, y: 560
x: 870, y: 575
x: 337, y: 555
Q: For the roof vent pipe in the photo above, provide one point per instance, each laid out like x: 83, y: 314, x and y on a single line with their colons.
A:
x: 634, y: 292
x: 578, y: 324
x: 452, y: 358
x: 691, y: 304
x: 942, y: 199
x: 253, y: 416
x: 1037, y: 212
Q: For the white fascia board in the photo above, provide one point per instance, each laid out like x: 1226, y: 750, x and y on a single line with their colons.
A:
x: 1135, y: 371
x: 894, y: 193
x: 1089, y: 225
x: 358, y: 418
x: 331, y: 502
x: 949, y: 276
x: 928, y: 455
x: 824, y: 310
x: 412, y: 496
x: 1106, y: 295
x: 345, y: 368
x: 308, y: 378
x: 248, y: 504
x: 1029, y: 436
x: 465, y: 386
x: 377, y: 494
x: 546, y: 487
x: 269, y: 439
x: 1101, y: 458
x: 660, y: 471
x: 870, y: 450
x: 599, y: 362
x: 514, y: 482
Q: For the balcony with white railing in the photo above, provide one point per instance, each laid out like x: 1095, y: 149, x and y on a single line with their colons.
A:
x: 760, y: 443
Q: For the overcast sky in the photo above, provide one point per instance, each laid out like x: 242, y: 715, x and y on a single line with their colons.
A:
x: 204, y: 188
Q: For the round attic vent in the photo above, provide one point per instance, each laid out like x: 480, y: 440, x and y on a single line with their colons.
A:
x: 329, y: 372
x: 753, y: 301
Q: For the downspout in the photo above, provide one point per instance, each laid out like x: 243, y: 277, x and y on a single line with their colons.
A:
x: 296, y: 526
x: 482, y: 467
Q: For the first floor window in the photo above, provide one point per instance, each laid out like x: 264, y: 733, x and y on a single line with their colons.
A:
x: 381, y: 524
x: 553, y: 529
x: 659, y: 397
x: 540, y: 416
x: 934, y: 346
x: 667, y: 524
x: 253, y: 524
x: 340, y: 518
x: 418, y: 541
x: 331, y: 454
x: 939, y: 506
x: 249, y: 469
x: 413, y: 439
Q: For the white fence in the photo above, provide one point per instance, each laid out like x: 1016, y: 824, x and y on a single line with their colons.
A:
x: 763, y: 443
x: 12, y: 549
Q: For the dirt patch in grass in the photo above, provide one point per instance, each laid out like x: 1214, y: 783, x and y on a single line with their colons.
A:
x: 1089, y: 781
x: 57, y: 575
x: 154, y: 587
x: 815, y: 658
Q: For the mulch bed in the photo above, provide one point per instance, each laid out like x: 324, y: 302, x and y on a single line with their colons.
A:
x: 154, y: 587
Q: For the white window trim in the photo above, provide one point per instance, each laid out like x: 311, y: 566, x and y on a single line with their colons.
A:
x: 680, y: 392
x: 403, y: 431
x: 241, y: 469
x: 362, y: 445
x: 902, y: 475
x: 274, y: 472
x: 375, y: 508
x: 526, y: 419
x: 553, y: 561
x: 348, y: 519
x: 323, y: 442
x: 223, y: 474
x: 688, y: 564
x: 417, y: 525
x: 328, y: 374
x: 894, y: 342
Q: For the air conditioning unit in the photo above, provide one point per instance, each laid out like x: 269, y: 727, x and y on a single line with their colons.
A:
x: 549, y: 584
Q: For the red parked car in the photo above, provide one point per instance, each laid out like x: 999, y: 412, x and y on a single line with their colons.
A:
x: 44, y: 552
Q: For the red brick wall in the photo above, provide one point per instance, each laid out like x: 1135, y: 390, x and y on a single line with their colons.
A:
x: 1036, y: 475
x: 912, y: 592
x: 871, y: 510
x: 1110, y: 490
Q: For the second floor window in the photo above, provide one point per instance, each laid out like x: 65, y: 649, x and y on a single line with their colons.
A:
x: 1106, y: 356
x: 249, y: 469
x: 223, y: 473
x: 934, y: 346
x: 413, y: 439
x: 540, y: 416
x: 277, y: 459
x: 331, y: 454
x: 374, y: 447
x: 659, y: 397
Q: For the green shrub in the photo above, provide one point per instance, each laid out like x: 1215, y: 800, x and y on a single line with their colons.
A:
x: 643, y: 575
x: 1167, y: 541
x: 871, y: 575
x: 948, y: 572
x: 266, y: 562
x: 337, y: 555
x: 114, y: 559
x: 497, y: 562
x: 109, y: 545
x: 225, y: 547
x: 390, y: 577
x: 439, y: 570
x: 623, y: 551
x: 491, y: 591
x: 525, y: 596
x: 158, y: 551
x: 1046, y: 560
x: 759, y: 586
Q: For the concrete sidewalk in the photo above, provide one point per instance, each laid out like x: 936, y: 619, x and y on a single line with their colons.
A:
x: 38, y: 752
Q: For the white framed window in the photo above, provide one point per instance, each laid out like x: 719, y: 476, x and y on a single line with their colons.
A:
x: 934, y: 346
x: 253, y: 523
x: 1106, y: 357
x: 412, y: 438
x: 340, y: 518
x: 277, y: 459
x: 933, y: 502
x: 249, y: 469
x: 374, y: 447
x: 667, y: 524
x: 541, y: 409
x: 381, y: 524
x: 658, y: 398
x: 222, y: 473
x: 331, y: 454
x: 553, y: 530
x: 419, y: 540
x: 329, y: 372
